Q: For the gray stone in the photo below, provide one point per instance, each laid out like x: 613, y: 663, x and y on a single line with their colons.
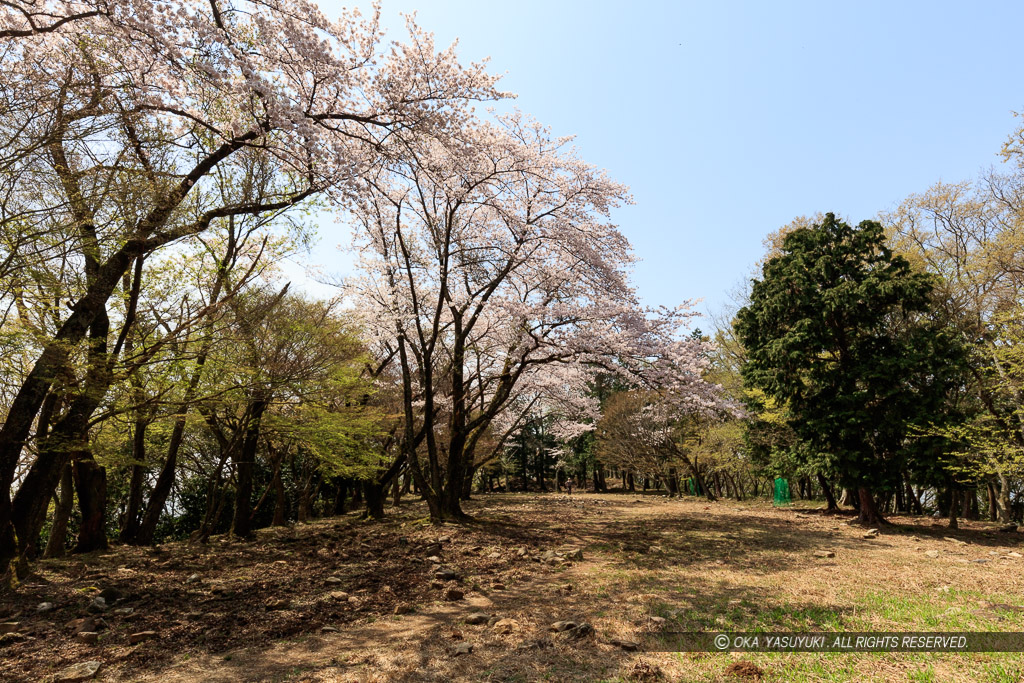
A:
x: 45, y: 607
x: 83, y: 671
x: 462, y: 648
x: 447, y: 575
x: 627, y: 645
x: 574, y: 554
x: 581, y: 631
x: 504, y: 626
x: 332, y: 581
x: 111, y: 595
x: 560, y: 626
x: 477, y: 618
x: 88, y: 637
x: 141, y: 637
x: 98, y: 604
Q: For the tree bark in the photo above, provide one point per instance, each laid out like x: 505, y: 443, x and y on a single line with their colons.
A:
x: 245, y: 461
x: 130, y: 528
x: 826, y: 490
x: 869, y: 513
x: 954, y: 501
x: 91, y: 485
x: 374, y: 493
x: 56, y: 545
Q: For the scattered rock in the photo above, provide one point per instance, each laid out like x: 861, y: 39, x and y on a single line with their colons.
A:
x: 141, y: 637
x: 193, y: 578
x: 332, y: 581
x: 658, y: 621
x: 871, y: 533
x: 340, y: 596
x: 560, y: 626
x: 477, y: 618
x: 111, y: 595
x: 580, y: 631
x: 655, y: 550
x: 505, y: 626
x: 573, y: 554
x: 124, y: 611
x: 88, y: 637
x: 627, y: 645
x: 521, y: 552
x: 447, y: 575
x: 498, y: 587
x: 437, y: 584
x: 462, y: 648
x: 274, y: 604
x: 932, y: 553
x: 824, y: 553
x: 494, y: 556
x: 329, y: 629
x: 435, y: 559
x: 44, y: 607
x: 453, y: 594
x: 1014, y: 555
x: 9, y: 627
x: 404, y: 608
x: 83, y: 671
x: 98, y: 604
x: 957, y: 541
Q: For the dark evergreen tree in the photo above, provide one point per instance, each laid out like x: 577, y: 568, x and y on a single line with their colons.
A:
x: 839, y: 328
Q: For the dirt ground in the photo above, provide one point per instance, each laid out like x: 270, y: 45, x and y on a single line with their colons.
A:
x: 351, y: 600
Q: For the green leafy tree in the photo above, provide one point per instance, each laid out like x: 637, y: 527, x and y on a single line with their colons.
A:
x: 838, y: 329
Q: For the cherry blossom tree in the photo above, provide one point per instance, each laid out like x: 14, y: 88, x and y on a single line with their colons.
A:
x: 118, y: 120
x: 489, y: 257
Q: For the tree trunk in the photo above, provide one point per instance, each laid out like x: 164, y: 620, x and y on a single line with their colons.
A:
x: 993, y: 506
x: 91, y: 485
x: 280, y: 501
x: 339, y: 497
x: 56, y: 546
x: 245, y: 461
x: 869, y: 513
x: 162, y: 488
x: 826, y: 490
x: 467, y: 482
x: 954, y: 502
x: 1004, y: 499
x: 912, y: 497
x: 130, y: 527
x: 374, y: 493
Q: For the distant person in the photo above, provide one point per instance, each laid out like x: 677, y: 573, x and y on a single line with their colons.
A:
x: 568, y: 485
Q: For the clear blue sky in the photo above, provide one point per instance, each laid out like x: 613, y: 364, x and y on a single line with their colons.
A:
x: 728, y: 119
